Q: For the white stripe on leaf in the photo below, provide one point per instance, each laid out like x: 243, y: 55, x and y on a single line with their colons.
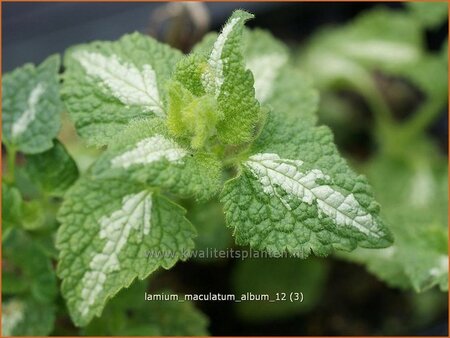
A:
x: 422, y: 187
x: 115, y: 229
x: 29, y: 115
x: 213, y: 78
x: 382, y: 51
x: 265, y: 70
x: 150, y: 150
x: 275, y: 173
x: 126, y: 82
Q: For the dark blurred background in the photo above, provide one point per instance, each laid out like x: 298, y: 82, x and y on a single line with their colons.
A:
x: 32, y: 31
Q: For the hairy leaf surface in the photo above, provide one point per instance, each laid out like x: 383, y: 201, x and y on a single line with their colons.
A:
x: 146, y: 153
x: 108, y: 229
x: 296, y: 194
x: 228, y: 80
x: 107, y: 84
x: 278, y: 84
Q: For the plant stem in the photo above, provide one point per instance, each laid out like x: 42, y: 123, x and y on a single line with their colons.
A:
x: 231, y: 161
x: 386, y: 128
x: 422, y: 119
x: 382, y: 112
x: 11, y: 158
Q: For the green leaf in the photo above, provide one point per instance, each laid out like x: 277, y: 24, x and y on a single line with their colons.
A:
x: 227, y: 79
x: 27, y: 269
x: 12, y: 207
x: 429, y: 14
x: 370, y: 43
x: 112, y: 232
x: 31, y: 106
x: 206, y: 44
x: 145, y: 153
x: 147, y: 318
x: 416, y: 208
x: 265, y: 57
x: 278, y: 84
x: 296, y: 194
x: 189, y: 71
x: 34, y: 215
x: 107, y: 84
x: 377, y: 39
x: 294, y: 95
x: 24, y: 317
x: 19, y: 213
x: 53, y: 171
x: 282, y: 276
